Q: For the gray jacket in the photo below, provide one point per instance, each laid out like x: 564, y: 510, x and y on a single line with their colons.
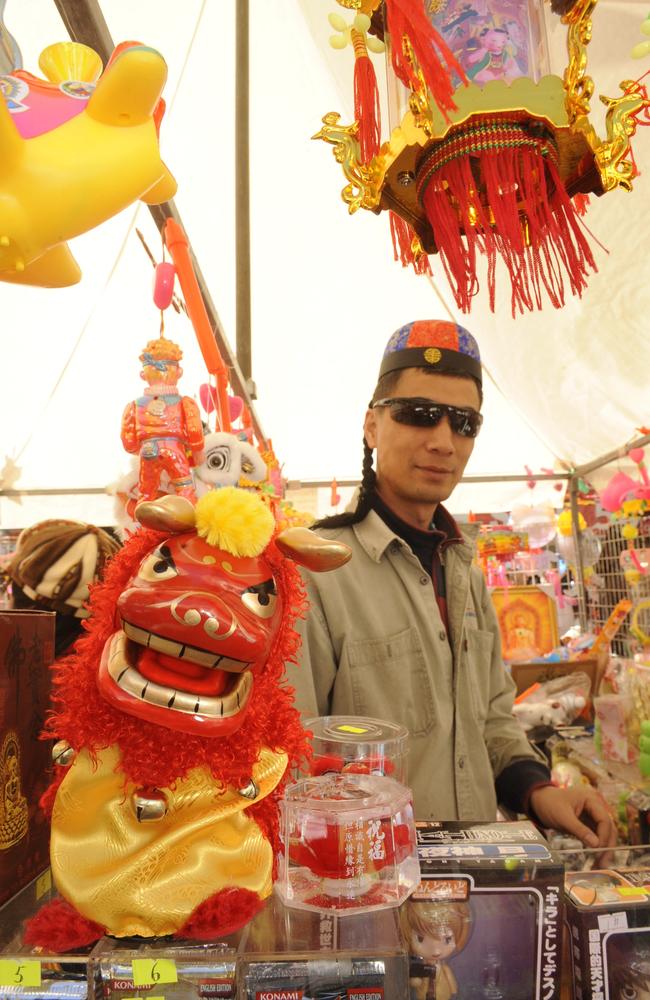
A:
x: 374, y: 644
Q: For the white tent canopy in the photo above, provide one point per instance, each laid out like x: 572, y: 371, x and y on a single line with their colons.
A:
x: 564, y: 386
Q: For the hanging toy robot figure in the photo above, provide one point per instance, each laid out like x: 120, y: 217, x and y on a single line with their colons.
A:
x: 163, y: 426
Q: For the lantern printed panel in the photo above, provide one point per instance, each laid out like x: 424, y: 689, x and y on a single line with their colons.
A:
x: 491, y: 40
x: 349, y: 843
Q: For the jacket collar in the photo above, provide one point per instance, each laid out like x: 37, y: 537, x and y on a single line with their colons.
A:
x: 375, y: 537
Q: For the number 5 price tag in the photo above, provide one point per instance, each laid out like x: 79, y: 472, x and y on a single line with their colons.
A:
x: 150, y: 971
x: 17, y: 973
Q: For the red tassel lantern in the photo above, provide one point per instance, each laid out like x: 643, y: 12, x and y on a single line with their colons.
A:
x: 496, y: 190
x: 366, y: 95
x: 366, y: 98
x: 489, y: 156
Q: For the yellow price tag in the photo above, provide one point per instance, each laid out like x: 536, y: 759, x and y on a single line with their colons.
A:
x: 149, y: 971
x: 16, y: 973
x: 632, y: 891
x: 351, y: 729
x: 43, y: 883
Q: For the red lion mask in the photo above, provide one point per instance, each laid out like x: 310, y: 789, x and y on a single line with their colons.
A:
x: 175, y: 730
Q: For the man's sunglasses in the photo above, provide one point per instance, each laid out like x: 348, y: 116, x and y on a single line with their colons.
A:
x: 417, y: 412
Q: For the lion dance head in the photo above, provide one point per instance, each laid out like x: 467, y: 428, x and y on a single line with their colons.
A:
x: 175, y: 732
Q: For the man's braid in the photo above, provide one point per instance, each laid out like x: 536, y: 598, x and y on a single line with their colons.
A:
x: 364, y: 501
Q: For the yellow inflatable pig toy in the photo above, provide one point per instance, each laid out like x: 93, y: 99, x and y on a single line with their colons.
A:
x: 76, y: 149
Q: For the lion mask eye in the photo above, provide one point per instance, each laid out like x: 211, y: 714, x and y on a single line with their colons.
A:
x: 261, y: 598
x: 158, y: 566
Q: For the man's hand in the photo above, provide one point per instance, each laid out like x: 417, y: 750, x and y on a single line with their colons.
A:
x: 578, y: 811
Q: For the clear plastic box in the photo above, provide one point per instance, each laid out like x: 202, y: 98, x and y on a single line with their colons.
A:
x: 353, y: 744
x: 33, y: 973
x: 349, y: 843
x: 173, y: 970
x: 289, y: 952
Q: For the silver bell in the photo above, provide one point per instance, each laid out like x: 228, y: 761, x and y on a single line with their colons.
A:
x: 62, y: 753
x: 149, y: 805
x: 249, y: 791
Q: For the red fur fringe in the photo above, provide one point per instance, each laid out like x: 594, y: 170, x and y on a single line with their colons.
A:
x: 152, y: 754
x: 58, y: 927
x: 402, y: 236
x: 435, y: 59
x: 517, y: 182
x: 366, y: 107
x: 221, y: 914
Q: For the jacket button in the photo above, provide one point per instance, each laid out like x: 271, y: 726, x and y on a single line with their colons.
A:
x: 461, y: 762
x: 424, y: 580
x: 442, y: 635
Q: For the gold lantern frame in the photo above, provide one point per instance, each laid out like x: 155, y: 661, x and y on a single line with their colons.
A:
x: 387, y: 181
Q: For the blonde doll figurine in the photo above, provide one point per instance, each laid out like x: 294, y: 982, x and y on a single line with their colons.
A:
x: 434, y: 931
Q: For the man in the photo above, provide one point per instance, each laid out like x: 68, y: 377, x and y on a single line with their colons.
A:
x: 406, y: 630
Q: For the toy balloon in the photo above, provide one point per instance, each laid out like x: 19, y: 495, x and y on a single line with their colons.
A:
x: 538, y: 522
x: 163, y: 286
x: 617, y: 489
x: 589, y: 548
x: 74, y: 153
x: 236, y: 406
x: 208, y: 398
x: 565, y: 523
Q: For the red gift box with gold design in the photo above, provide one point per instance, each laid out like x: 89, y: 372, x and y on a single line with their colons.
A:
x: 26, y: 651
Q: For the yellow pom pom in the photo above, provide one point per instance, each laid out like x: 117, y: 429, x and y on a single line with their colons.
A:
x: 629, y: 531
x: 235, y: 521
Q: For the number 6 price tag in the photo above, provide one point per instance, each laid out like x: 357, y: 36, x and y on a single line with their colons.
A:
x: 17, y: 973
x: 150, y: 971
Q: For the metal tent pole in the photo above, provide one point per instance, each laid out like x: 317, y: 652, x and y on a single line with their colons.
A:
x: 611, y: 456
x: 579, y: 565
x: 242, y: 192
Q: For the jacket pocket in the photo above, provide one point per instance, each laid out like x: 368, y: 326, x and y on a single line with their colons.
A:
x: 479, y: 648
x: 389, y: 680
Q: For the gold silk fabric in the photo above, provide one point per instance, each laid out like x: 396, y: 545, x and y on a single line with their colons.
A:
x: 146, y: 878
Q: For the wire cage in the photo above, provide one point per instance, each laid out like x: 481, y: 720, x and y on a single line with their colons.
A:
x: 615, y: 578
